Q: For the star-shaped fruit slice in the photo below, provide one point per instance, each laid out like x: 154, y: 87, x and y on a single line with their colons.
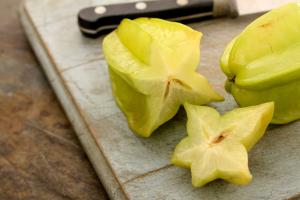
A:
x: 152, y: 65
x: 216, y: 146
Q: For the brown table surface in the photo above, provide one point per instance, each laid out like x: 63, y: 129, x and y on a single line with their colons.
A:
x: 40, y: 155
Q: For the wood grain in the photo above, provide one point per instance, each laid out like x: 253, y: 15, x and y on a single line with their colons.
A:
x: 40, y: 156
x: 136, y: 168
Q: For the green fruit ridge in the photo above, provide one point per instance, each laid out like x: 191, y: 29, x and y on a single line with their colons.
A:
x: 263, y: 63
x: 216, y: 146
x: 152, y: 65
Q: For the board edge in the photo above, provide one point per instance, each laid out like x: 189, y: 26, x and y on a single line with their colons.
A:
x: 88, y: 142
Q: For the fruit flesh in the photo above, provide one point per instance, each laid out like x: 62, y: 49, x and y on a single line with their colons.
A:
x: 263, y: 63
x: 216, y: 146
x: 152, y: 66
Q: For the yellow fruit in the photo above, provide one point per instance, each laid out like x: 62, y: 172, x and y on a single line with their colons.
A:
x: 152, y: 65
x: 263, y: 63
x: 216, y: 146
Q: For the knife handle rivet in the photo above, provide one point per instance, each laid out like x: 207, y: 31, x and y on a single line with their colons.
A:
x: 141, y: 5
x: 182, y: 2
x: 100, y: 10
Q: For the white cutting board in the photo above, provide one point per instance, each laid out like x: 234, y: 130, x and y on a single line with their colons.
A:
x: 131, y: 167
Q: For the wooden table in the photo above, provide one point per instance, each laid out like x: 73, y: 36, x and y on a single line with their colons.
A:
x: 40, y: 156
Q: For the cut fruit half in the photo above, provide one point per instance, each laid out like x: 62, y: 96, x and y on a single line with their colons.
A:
x: 152, y: 66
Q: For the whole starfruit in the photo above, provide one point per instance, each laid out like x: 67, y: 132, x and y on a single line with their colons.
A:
x: 152, y: 66
x: 263, y: 63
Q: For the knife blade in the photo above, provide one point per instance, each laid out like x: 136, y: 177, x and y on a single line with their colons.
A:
x: 97, y: 20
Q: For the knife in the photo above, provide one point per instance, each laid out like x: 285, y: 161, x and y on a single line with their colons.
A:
x: 97, y: 20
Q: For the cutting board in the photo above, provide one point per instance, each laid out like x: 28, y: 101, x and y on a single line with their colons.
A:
x: 131, y: 167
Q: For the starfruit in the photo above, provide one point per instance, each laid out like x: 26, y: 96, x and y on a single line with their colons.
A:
x: 263, y: 63
x: 216, y: 146
x: 152, y: 66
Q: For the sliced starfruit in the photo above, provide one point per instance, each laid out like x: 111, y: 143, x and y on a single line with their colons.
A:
x: 152, y: 66
x: 216, y: 146
x: 263, y: 63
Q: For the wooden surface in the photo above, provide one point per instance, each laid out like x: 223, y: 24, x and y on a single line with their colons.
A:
x: 40, y: 156
x: 131, y: 167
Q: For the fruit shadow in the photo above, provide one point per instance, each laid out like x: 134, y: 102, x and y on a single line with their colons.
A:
x: 164, y: 139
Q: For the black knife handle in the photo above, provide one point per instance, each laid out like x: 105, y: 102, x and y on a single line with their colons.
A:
x: 94, y: 21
